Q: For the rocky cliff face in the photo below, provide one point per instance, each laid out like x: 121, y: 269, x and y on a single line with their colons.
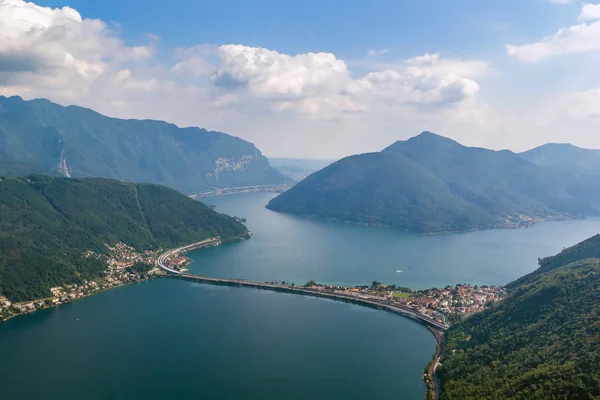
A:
x: 76, y: 142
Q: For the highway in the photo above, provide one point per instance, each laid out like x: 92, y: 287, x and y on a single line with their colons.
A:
x: 384, y: 304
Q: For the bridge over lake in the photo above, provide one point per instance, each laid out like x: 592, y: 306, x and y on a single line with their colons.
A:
x: 380, y: 304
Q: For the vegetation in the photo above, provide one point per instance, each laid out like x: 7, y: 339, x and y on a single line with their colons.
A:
x: 540, y: 342
x: 589, y: 248
x: 433, y: 184
x: 49, y: 223
x: 141, y: 268
x: 40, y: 137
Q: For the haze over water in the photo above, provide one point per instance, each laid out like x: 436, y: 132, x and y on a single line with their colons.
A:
x: 295, y: 249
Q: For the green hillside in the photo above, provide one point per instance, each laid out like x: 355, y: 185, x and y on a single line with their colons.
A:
x: 589, y: 248
x: 39, y: 136
x: 540, y: 342
x: 433, y: 184
x: 48, y: 223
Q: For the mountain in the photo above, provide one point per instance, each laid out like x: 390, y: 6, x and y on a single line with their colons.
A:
x: 540, y: 342
x: 39, y: 136
x: 430, y: 183
x: 48, y: 223
x: 565, y: 157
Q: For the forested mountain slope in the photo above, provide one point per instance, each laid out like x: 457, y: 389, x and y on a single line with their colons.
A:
x: 48, y: 223
x: 540, y: 342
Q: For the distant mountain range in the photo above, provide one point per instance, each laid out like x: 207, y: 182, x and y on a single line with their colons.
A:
x: 39, y: 136
x: 565, y: 157
x: 430, y: 183
x: 540, y: 342
x: 297, y: 169
x: 48, y: 224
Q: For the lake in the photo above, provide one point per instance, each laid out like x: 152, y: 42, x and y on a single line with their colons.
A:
x: 175, y: 339
x: 294, y: 249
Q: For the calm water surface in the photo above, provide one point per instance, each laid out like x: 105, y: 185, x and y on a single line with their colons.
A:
x: 295, y: 249
x: 175, y: 339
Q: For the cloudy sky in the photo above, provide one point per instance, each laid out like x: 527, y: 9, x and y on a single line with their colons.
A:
x: 318, y: 79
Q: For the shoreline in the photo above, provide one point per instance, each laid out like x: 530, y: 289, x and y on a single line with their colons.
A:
x: 148, y: 278
x: 431, y: 383
x: 432, y: 386
x: 433, y: 233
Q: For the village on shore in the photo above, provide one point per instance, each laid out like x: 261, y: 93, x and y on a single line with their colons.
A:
x: 445, y: 305
x: 125, y: 265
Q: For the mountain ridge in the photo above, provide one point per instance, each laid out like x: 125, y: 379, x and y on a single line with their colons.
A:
x: 74, y: 141
x: 565, y: 156
x: 458, y: 188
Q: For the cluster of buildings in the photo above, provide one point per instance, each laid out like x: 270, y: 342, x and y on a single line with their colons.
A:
x: 462, y: 299
x: 123, y: 256
x: 119, y: 260
x: 439, y: 304
x: 9, y: 309
x: 178, y: 262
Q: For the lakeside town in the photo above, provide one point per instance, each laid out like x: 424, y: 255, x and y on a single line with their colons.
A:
x: 125, y: 265
x: 444, y: 305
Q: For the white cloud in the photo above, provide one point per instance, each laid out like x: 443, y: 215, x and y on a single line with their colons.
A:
x: 590, y: 12
x: 321, y: 85
x: 267, y: 72
x: 424, y: 80
x: 377, y: 53
x: 582, y: 105
x: 55, y: 53
x: 49, y: 41
x: 195, y: 61
x: 580, y: 38
x: 311, y: 104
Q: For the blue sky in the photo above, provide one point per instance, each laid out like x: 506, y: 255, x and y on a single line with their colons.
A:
x: 348, y: 28
x: 319, y: 79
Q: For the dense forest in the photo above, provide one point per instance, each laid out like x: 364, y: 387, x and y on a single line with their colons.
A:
x: 48, y: 223
x: 430, y: 183
x: 540, y: 342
